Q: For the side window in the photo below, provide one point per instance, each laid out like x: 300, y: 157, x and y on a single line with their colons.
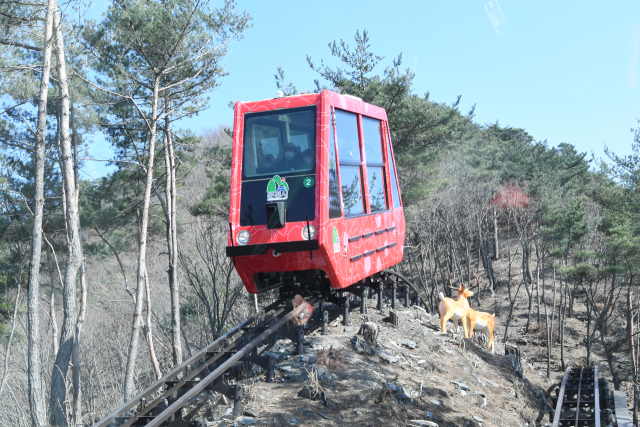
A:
x: 375, y: 164
x: 392, y: 172
x: 350, y: 162
x: 348, y: 142
x: 334, y: 188
x: 351, y: 190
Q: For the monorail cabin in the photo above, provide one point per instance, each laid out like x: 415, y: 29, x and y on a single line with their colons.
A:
x: 314, y: 192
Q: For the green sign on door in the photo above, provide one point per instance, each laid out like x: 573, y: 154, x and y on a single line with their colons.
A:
x: 308, y: 182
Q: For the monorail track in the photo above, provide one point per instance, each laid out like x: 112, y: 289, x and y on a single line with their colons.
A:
x: 584, y: 399
x: 162, y: 403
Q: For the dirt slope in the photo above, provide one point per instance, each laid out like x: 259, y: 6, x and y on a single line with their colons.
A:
x: 443, y: 380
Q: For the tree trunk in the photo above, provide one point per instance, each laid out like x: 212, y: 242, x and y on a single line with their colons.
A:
x: 57, y: 404
x: 77, y: 392
x: 496, y: 244
x: 632, y: 351
x: 540, y: 263
x: 7, y: 353
x: 172, y: 238
x: 115, y: 253
x: 553, y: 308
x: 538, y: 283
x: 490, y: 272
x: 563, y: 315
x: 142, y: 251
x: 553, y: 314
x: 589, y: 330
x: 52, y: 303
x: 152, y: 352
x: 483, y: 257
x: 77, y: 395
x: 527, y: 282
x: 528, y: 262
x: 601, y: 325
x: 36, y: 398
x: 513, y: 301
x: 570, y: 299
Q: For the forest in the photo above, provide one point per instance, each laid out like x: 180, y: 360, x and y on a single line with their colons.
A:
x: 107, y: 283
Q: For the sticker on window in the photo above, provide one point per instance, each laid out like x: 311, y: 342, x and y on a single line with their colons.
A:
x: 277, y: 189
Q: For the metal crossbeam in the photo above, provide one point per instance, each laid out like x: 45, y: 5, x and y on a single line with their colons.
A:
x: 579, y: 397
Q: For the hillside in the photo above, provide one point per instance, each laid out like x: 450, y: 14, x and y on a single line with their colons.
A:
x: 355, y: 382
x: 414, y: 373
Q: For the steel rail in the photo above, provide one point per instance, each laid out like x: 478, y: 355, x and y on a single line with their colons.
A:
x: 175, y: 371
x: 197, y: 389
x: 196, y: 372
x: 622, y: 409
x: 596, y: 395
x: 587, y: 412
x: 579, y: 397
x: 556, y: 417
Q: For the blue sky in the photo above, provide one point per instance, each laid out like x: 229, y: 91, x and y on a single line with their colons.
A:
x: 564, y: 71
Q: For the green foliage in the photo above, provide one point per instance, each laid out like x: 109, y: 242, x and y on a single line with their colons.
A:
x: 288, y: 89
x: 217, y: 155
x: 417, y: 124
x: 415, y: 121
x: 175, y: 45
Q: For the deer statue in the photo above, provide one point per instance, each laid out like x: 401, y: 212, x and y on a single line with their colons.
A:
x: 484, y: 322
x: 455, y: 309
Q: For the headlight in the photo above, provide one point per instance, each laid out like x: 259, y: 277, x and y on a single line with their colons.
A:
x: 243, y: 237
x: 308, y: 232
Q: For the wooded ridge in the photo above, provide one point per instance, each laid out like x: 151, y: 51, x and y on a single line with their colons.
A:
x: 109, y: 282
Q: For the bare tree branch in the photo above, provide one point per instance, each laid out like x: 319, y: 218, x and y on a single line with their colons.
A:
x: 7, y: 42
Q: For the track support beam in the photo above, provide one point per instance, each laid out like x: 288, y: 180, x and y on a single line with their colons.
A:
x: 394, y: 290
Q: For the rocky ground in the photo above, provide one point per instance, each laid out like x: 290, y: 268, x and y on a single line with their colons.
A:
x: 416, y: 376
x: 412, y: 376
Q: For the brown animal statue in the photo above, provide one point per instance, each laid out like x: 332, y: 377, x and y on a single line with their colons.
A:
x: 455, y: 309
x: 481, y: 321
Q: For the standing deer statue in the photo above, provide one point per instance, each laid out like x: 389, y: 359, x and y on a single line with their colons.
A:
x: 455, y: 309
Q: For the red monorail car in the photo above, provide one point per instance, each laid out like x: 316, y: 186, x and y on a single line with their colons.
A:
x: 314, y: 192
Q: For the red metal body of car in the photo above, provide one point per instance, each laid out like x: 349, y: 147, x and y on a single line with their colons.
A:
x: 314, y: 193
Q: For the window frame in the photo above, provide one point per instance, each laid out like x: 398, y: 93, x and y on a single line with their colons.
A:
x: 374, y: 164
x: 392, y: 165
x: 363, y: 186
x: 387, y: 164
x: 333, y: 133
x: 312, y: 141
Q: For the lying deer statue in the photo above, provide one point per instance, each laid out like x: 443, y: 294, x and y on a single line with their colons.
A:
x: 455, y: 309
x: 483, y: 322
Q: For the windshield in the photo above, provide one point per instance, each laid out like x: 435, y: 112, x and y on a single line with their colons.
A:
x: 279, y: 142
